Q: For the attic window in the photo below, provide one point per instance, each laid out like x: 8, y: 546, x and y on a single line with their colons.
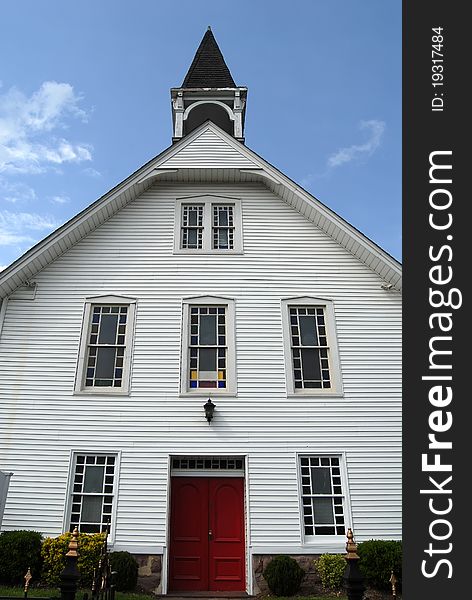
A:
x: 207, y: 225
x: 223, y: 227
x: 192, y: 226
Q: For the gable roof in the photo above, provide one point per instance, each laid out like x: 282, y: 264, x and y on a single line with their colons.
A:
x: 197, y: 154
x: 208, y: 68
x: 206, y: 154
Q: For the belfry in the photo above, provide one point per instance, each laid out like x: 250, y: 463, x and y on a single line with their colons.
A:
x: 208, y: 93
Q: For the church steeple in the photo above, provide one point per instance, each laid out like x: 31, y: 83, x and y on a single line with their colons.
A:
x: 208, y: 93
x: 208, y: 68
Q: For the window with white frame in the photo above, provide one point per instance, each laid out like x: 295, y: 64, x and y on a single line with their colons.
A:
x: 105, y: 349
x: 208, y: 224
x: 222, y: 226
x: 322, y: 497
x: 192, y: 226
x: 312, y: 362
x: 92, y: 492
x: 208, y: 364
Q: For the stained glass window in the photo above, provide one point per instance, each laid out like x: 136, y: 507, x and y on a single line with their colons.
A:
x: 309, y: 347
x: 106, y: 346
x: 92, y: 492
x: 223, y: 227
x: 322, y: 497
x: 208, y: 347
x: 192, y: 226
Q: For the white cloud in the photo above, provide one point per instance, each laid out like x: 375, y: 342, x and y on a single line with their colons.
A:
x: 27, y: 125
x: 19, y: 228
x: 13, y: 239
x: 28, y: 220
x: 91, y: 172
x: 16, y: 192
x: 60, y: 199
x: 375, y: 129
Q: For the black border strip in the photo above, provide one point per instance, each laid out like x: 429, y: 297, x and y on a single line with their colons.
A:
x: 436, y: 256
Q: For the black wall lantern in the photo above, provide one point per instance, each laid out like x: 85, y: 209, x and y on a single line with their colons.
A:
x: 209, y: 410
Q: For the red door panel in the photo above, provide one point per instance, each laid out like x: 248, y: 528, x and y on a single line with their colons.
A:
x: 226, y: 549
x: 207, y: 550
x: 189, y: 534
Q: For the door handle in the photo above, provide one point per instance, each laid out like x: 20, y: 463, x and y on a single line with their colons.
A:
x: 210, y: 534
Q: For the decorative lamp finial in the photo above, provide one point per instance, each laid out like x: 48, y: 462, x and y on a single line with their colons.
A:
x: 209, y: 28
x: 74, y: 543
x: 393, y: 580
x: 351, y: 546
x: 28, y: 578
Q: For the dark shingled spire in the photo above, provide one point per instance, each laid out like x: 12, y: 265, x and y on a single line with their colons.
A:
x: 208, y: 69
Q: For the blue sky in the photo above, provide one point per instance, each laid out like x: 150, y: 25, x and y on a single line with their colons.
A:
x: 84, y: 101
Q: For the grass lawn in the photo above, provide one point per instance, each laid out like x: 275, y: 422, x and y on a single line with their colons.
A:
x: 35, y: 592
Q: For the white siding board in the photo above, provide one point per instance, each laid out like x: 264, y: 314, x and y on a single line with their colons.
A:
x: 206, y: 151
x: 131, y: 254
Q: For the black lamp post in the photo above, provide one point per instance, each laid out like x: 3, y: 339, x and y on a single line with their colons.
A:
x: 209, y: 410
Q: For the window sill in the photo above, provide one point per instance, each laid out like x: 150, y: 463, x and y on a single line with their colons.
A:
x: 209, y: 394
x: 207, y: 252
x: 102, y: 393
x: 325, y: 540
x: 313, y: 394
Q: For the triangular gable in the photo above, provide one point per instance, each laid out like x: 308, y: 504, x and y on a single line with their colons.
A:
x: 367, y: 251
x: 207, y: 150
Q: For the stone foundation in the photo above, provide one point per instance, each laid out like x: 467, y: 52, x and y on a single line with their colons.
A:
x: 149, y: 572
x: 150, y: 575
x: 310, y: 582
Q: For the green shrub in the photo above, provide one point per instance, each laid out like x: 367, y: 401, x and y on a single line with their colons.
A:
x: 54, y: 551
x: 126, y: 568
x: 331, y: 569
x: 378, y: 559
x: 283, y: 575
x: 19, y: 550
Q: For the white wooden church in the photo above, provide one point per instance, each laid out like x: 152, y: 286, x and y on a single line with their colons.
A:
x: 208, y: 359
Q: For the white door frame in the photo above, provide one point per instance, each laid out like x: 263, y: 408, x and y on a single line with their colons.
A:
x: 208, y: 473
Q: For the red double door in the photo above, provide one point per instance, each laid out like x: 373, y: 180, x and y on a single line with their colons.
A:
x: 207, y: 534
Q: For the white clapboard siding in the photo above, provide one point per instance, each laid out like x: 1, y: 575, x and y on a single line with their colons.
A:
x: 131, y: 254
x: 208, y: 150
x: 206, y: 155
